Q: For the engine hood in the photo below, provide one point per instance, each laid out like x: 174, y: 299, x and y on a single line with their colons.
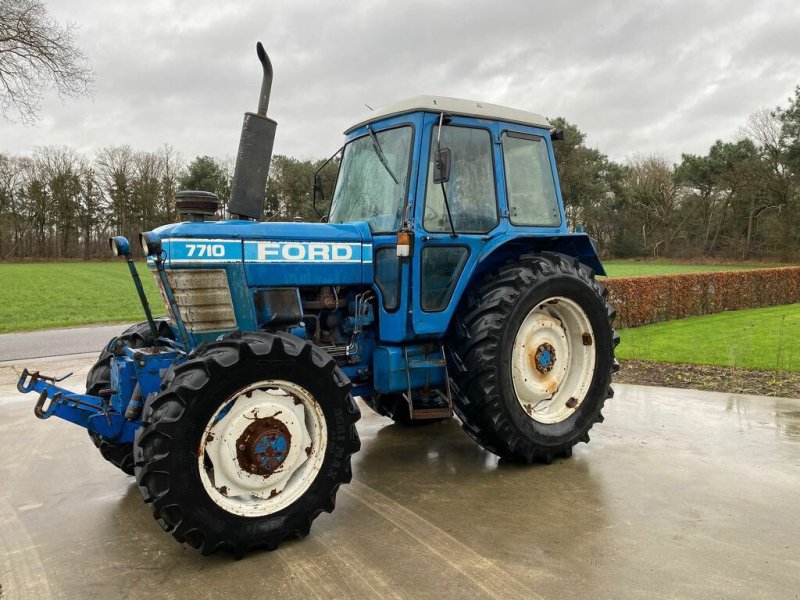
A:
x: 274, y: 254
x: 247, y: 230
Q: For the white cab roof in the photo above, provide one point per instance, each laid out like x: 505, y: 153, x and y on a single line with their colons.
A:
x: 454, y: 106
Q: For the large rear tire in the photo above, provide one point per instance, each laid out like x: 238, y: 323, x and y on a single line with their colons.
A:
x: 98, y: 383
x: 532, y: 352
x: 247, y: 443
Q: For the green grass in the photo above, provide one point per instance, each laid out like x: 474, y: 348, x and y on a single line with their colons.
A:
x: 43, y: 295
x: 758, y: 338
x: 633, y: 268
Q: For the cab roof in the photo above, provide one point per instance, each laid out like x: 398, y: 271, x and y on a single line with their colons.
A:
x: 453, y: 106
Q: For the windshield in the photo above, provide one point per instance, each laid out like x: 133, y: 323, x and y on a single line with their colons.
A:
x: 372, y: 180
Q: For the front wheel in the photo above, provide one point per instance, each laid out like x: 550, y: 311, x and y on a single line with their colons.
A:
x: 533, y: 355
x: 247, y: 443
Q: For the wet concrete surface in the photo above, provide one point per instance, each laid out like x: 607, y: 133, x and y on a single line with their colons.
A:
x: 680, y: 494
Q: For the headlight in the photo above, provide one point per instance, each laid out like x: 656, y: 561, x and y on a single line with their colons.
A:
x: 151, y: 243
x: 119, y: 245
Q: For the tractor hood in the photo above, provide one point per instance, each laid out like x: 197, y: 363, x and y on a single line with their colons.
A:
x: 274, y: 254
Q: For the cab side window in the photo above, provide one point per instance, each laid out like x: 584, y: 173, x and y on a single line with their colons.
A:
x: 529, y: 181
x: 470, y: 190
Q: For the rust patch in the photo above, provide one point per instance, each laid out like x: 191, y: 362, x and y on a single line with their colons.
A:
x: 263, y: 446
x: 529, y: 409
x: 587, y: 339
x: 308, y: 450
x: 223, y: 490
x: 273, y: 493
x: 572, y: 403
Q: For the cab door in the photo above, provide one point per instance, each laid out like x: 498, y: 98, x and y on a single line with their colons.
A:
x: 444, y: 255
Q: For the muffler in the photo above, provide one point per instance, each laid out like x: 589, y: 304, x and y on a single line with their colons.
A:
x: 248, y: 188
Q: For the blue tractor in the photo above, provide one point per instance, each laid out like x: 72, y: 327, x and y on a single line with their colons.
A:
x: 441, y: 279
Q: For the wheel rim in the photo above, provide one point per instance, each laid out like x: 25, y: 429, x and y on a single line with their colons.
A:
x: 553, y: 359
x: 263, y: 448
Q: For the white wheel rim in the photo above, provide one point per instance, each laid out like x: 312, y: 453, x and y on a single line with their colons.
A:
x: 263, y: 448
x: 553, y: 359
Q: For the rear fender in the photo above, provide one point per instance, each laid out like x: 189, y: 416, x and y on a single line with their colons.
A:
x: 486, y: 254
x: 577, y: 245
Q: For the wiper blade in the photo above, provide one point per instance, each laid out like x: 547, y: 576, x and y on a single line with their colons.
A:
x: 453, y: 233
x: 381, y: 156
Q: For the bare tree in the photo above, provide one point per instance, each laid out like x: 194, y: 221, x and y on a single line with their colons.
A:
x: 653, y: 190
x: 773, y: 183
x: 36, y: 53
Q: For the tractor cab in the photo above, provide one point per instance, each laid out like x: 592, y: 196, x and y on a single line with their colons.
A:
x: 457, y: 182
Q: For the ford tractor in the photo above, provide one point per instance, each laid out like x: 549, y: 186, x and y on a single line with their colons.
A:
x: 441, y: 280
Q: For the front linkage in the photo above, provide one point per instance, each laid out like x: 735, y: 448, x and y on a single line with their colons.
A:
x: 138, y: 362
x: 114, y: 414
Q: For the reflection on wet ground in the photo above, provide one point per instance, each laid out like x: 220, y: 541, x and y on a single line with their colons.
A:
x: 679, y: 494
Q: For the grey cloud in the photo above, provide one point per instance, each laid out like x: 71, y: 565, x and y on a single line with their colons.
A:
x: 637, y: 76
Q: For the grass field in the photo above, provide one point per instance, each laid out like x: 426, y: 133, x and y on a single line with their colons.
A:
x: 45, y: 295
x: 635, y: 268
x: 758, y: 338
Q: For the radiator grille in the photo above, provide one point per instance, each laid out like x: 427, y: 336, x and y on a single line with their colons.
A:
x: 203, y: 298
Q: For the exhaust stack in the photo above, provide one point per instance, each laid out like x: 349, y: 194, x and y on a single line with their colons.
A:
x: 255, y: 152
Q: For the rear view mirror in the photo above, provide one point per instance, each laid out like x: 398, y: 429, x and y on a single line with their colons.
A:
x: 317, y: 192
x: 441, y: 165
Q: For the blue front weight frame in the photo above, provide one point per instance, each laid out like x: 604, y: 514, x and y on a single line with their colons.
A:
x: 135, y: 374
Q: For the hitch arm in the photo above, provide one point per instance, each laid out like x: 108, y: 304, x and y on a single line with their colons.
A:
x: 90, y: 412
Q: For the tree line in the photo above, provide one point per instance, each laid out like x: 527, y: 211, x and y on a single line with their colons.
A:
x: 738, y: 200
x: 58, y: 203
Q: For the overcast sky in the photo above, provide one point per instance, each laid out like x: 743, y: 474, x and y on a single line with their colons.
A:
x: 636, y: 76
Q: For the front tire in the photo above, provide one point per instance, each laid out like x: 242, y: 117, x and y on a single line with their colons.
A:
x: 532, y: 350
x: 247, y: 443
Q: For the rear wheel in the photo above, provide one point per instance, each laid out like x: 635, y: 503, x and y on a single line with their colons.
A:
x: 533, y: 355
x: 98, y: 383
x: 247, y: 443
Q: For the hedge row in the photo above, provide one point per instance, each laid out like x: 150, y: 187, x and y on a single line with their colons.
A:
x: 643, y: 300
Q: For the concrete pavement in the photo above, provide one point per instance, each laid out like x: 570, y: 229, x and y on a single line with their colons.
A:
x: 57, y: 342
x: 680, y: 494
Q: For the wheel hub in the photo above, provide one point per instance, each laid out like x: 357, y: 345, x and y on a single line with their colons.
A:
x: 263, y: 446
x: 552, y: 364
x: 545, y: 358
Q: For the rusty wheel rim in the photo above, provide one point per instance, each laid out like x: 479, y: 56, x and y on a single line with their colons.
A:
x: 553, y: 360
x: 263, y: 448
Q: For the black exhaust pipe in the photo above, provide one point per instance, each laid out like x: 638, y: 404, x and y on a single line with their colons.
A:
x: 248, y: 187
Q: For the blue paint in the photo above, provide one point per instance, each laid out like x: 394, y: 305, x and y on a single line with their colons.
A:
x: 271, y: 449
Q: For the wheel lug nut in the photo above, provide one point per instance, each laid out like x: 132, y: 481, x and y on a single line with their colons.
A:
x: 241, y: 446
